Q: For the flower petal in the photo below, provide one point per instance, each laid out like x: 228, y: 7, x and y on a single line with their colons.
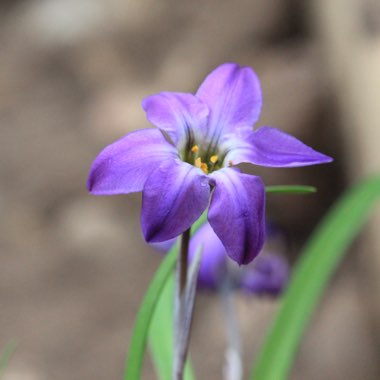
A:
x: 233, y: 95
x: 124, y: 166
x: 271, y: 147
x: 268, y: 275
x: 174, y: 197
x: 163, y: 246
x: 179, y: 115
x: 214, y: 259
x: 237, y: 213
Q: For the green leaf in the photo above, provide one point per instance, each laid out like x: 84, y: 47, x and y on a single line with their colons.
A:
x: 6, y: 356
x: 144, y: 316
x: 161, y: 335
x: 291, y: 189
x: 318, y: 261
x: 161, y: 332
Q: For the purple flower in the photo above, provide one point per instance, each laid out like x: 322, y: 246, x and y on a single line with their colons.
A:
x: 267, y: 275
x: 191, y: 155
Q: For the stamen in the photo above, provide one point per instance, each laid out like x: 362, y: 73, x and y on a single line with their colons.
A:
x: 230, y: 163
x: 195, y: 149
x: 214, y: 159
x: 201, y: 165
x: 204, y: 168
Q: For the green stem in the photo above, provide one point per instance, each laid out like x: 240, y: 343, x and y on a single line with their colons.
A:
x: 183, y: 260
x: 181, y: 346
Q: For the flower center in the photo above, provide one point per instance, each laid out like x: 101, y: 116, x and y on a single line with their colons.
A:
x: 204, y: 162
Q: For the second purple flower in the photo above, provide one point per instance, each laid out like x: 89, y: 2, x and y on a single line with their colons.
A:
x: 191, y: 156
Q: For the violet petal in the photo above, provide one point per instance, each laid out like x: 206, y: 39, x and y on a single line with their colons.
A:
x: 233, y: 95
x: 213, y: 262
x: 267, y: 275
x: 125, y: 165
x: 174, y: 197
x: 271, y: 147
x: 237, y: 213
x: 180, y: 115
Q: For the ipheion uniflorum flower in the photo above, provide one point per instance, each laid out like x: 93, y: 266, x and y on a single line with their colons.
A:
x: 189, y: 161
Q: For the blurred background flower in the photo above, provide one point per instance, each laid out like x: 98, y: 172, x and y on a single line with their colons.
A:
x: 266, y: 275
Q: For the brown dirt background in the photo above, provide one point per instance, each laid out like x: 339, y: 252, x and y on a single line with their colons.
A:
x: 73, y: 267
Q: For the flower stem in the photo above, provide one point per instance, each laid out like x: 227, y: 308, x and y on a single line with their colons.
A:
x: 182, y: 311
x: 183, y: 260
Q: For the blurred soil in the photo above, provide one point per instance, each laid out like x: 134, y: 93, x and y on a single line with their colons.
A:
x: 73, y: 268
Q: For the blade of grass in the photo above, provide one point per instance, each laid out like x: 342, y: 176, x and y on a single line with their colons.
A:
x: 161, y: 332
x: 140, y: 330
x: 318, y: 261
x: 161, y: 335
x: 144, y: 315
x: 6, y: 356
x: 291, y: 189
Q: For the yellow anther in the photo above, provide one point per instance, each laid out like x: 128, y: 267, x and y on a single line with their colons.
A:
x: 214, y: 159
x: 204, y: 168
x: 201, y: 165
x: 195, y: 149
x: 230, y: 163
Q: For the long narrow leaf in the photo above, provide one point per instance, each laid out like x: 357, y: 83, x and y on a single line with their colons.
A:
x: 140, y: 330
x: 144, y: 315
x: 6, y: 356
x: 291, y: 189
x: 161, y: 332
x: 161, y: 335
x: 321, y: 256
